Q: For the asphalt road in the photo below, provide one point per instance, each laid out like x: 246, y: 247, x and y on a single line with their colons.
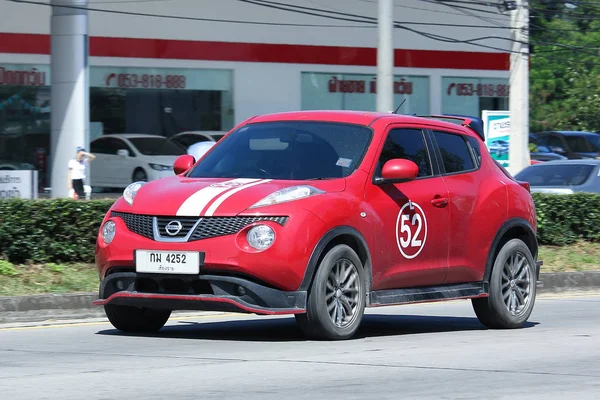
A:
x: 429, y: 351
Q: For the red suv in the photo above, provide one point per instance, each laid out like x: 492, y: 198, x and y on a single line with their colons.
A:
x: 321, y: 214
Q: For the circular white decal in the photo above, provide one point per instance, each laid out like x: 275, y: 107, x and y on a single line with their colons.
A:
x: 411, y: 230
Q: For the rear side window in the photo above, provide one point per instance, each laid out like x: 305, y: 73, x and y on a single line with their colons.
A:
x: 474, y: 144
x: 456, y: 155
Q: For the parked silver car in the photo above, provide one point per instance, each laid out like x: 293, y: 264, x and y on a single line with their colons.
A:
x: 563, y: 176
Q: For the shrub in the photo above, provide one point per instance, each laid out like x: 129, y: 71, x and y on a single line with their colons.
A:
x: 63, y: 230
x: 57, y: 230
x: 564, y: 219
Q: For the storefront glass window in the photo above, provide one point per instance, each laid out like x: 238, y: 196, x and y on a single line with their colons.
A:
x: 24, y: 116
x: 160, y: 101
x: 470, y: 96
x: 359, y: 92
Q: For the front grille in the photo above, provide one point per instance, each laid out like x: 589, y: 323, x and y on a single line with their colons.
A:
x: 140, y: 224
x: 221, y: 226
x: 207, y: 228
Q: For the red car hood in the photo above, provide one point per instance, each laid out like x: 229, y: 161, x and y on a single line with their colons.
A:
x: 210, y: 196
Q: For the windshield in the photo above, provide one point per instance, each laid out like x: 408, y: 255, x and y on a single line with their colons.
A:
x: 159, y: 146
x: 583, y: 144
x: 287, y: 150
x: 556, y: 175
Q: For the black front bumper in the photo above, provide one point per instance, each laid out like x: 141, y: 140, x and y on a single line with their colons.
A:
x: 198, y: 292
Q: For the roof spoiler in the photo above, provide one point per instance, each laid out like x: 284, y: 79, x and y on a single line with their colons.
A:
x: 473, y: 123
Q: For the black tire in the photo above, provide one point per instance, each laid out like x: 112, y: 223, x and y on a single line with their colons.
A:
x: 136, y: 319
x: 140, y: 175
x: 493, y: 311
x: 317, y: 323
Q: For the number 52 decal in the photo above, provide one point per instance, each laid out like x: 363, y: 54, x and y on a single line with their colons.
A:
x: 411, y: 230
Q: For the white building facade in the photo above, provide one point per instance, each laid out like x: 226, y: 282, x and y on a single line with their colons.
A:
x: 170, y: 70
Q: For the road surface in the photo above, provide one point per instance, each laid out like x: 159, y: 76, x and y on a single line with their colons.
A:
x: 428, y: 351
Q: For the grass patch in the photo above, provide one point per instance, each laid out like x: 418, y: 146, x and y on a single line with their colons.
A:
x: 20, y: 280
x: 580, y: 256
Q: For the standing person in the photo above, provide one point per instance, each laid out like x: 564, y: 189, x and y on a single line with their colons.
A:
x: 77, y: 167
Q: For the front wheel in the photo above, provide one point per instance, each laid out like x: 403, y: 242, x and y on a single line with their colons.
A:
x: 336, y: 299
x: 140, y: 175
x: 136, y: 319
x: 512, y: 288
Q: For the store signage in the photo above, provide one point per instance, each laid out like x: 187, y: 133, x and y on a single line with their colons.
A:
x: 18, y: 184
x: 145, y: 81
x: 481, y: 90
x: 359, y: 86
x: 27, y: 77
x: 496, y: 125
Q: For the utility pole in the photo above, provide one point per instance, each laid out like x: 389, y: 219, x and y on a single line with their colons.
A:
x: 518, y: 155
x: 385, y: 57
x: 69, y: 92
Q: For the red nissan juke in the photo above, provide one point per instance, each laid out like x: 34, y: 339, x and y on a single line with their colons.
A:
x: 321, y: 214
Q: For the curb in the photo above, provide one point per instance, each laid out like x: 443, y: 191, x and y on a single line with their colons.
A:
x: 80, y: 304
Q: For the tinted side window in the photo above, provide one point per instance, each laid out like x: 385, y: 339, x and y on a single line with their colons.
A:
x: 555, y: 141
x: 113, y: 145
x: 408, y: 144
x: 98, y: 146
x: 456, y: 156
x: 474, y: 144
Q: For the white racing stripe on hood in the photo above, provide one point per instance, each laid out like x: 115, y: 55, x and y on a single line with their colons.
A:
x: 193, y: 205
x: 213, y: 207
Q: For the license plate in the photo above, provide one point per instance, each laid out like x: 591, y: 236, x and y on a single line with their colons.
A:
x: 167, y: 262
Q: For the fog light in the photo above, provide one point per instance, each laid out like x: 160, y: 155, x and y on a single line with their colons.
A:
x: 120, y: 285
x: 261, y: 237
x: 108, y: 232
x: 241, y: 290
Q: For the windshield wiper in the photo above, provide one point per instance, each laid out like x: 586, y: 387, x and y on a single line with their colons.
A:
x: 318, y: 179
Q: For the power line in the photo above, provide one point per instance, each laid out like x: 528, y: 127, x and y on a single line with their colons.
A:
x: 280, y: 6
x: 179, y: 17
x: 425, y: 9
x: 372, y: 22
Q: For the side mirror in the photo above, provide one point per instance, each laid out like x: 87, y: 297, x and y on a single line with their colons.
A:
x: 123, y: 153
x: 183, y: 163
x: 398, y: 170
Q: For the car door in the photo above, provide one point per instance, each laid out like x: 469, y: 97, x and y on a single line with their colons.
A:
x: 97, y: 169
x: 411, y: 220
x: 475, y: 205
x: 121, y: 167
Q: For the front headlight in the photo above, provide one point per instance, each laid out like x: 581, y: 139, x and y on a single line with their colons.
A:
x: 131, y: 190
x: 288, y: 194
x: 261, y: 237
x: 108, y: 232
x: 160, y: 167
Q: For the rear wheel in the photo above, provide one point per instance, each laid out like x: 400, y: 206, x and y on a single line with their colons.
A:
x: 140, y: 175
x: 136, y: 319
x: 512, y: 288
x: 336, y: 299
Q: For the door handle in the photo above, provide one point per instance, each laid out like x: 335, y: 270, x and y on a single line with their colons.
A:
x: 439, y: 201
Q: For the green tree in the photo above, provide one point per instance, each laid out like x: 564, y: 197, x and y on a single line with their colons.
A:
x: 565, y: 65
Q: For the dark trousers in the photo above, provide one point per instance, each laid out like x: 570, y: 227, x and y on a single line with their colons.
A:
x: 78, y: 188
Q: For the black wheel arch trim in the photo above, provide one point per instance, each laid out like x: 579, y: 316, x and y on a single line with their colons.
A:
x: 318, y: 253
x: 508, y: 225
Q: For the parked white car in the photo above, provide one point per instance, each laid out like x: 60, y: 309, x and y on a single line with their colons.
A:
x: 188, y: 138
x: 129, y: 157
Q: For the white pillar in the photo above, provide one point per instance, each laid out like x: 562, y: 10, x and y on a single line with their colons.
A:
x: 518, y: 155
x: 385, y: 57
x: 69, y: 99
